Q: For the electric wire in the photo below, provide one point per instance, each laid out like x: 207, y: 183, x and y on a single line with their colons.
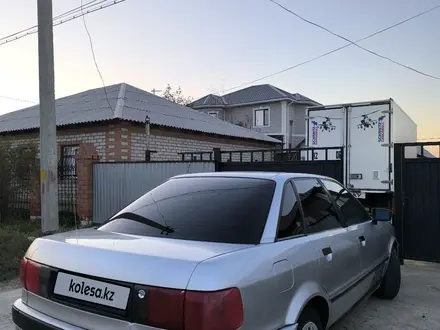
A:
x: 333, y: 51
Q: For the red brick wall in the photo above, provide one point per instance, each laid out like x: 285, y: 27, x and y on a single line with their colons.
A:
x: 121, y: 141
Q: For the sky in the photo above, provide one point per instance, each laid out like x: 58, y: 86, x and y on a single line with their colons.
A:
x: 208, y: 46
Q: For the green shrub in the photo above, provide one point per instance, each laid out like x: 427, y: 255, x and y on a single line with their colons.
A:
x: 14, y: 241
x: 15, y: 238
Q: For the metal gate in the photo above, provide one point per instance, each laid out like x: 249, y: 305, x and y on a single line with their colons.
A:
x: 417, y: 202
x: 286, y: 160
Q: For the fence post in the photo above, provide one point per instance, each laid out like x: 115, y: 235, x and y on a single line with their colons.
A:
x: 217, y: 159
x: 84, y: 182
x: 399, y: 203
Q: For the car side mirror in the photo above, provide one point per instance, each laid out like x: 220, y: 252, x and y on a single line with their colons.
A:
x: 381, y: 215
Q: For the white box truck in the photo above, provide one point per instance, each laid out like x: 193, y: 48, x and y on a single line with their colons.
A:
x: 367, y: 132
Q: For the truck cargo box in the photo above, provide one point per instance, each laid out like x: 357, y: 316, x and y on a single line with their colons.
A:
x: 367, y: 131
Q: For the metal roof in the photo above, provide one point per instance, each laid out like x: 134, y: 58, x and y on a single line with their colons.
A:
x: 252, y: 94
x: 127, y: 103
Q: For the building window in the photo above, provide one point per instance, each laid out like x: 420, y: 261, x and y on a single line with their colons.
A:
x: 261, y: 117
x: 213, y: 113
x: 68, y: 161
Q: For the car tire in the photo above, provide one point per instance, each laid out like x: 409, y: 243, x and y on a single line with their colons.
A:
x: 310, y: 320
x: 390, y: 286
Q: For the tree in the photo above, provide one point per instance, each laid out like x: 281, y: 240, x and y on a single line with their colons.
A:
x: 176, y: 96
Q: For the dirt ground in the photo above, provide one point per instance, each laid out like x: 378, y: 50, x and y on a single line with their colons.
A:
x: 416, y: 307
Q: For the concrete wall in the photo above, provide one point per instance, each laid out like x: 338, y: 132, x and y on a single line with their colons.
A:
x: 297, y: 113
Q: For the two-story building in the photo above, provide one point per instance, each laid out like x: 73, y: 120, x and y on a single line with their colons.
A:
x: 263, y: 108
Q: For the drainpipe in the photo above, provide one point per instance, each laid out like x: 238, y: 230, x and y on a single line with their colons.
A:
x: 290, y: 125
x: 290, y: 133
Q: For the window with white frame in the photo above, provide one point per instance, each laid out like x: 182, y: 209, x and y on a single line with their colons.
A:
x: 261, y: 117
x: 213, y: 113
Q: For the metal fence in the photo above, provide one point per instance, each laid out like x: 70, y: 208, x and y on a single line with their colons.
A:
x: 417, y: 202
x: 302, y: 160
x: 115, y: 185
x: 67, y: 190
x: 15, y: 193
x: 14, y: 199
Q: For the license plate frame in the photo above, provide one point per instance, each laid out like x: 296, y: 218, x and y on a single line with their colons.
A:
x: 93, y: 291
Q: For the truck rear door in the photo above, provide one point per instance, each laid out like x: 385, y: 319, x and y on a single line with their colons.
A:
x: 325, y: 128
x: 368, y: 147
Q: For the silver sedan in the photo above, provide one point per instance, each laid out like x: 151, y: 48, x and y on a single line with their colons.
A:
x: 215, y: 251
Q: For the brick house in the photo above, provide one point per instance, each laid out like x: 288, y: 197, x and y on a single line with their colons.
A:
x: 96, y: 126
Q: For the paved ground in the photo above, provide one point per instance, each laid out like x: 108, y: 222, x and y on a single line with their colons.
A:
x: 416, y: 307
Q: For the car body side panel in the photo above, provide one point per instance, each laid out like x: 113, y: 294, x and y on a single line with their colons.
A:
x: 269, y: 302
x: 375, y: 249
x: 305, y: 292
x: 340, y: 308
x: 340, y: 270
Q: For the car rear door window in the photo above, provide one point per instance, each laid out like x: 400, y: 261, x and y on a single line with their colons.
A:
x: 351, y: 209
x: 211, y: 209
x: 319, y: 212
x: 290, y: 222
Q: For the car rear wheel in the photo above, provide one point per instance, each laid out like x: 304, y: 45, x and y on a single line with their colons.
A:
x: 390, y: 285
x: 309, y: 320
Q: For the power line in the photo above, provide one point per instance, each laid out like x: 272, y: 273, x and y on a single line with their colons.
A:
x: 16, y: 99
x: 78, y: 9
x: 334, y: 50
x: 54, y: 19
x: 94, y: 57
x: 19, y: 35
x: 353, y: 42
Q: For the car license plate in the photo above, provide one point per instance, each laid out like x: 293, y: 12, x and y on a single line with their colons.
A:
x: 93, y: 291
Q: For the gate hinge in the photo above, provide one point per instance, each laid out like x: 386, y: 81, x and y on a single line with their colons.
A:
x: 387, y: 145
x: 387, y: 181
x: 387, y: 111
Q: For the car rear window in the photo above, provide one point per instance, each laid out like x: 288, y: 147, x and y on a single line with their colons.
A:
x: 210, y: 209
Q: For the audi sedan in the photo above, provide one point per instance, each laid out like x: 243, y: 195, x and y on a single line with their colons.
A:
x: 215, y: 251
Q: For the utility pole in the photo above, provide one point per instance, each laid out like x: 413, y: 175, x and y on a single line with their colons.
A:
x: 154, y: 90
x: 48, y: 143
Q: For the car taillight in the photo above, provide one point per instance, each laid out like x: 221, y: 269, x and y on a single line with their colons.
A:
x: 189, y: 310
x: 219, y: 310
x: 161, y: 308
x: 23, y: 263
x: 30, y: 275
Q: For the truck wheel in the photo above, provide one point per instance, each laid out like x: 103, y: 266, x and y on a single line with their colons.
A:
x: 390, y: 285
x: 309, y: 320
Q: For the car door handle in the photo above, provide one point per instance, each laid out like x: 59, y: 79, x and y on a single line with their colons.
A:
x: 328, y: 253
x: 362, y: 240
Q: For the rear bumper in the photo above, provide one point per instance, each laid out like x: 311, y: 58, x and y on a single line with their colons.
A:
x: 26, y: 318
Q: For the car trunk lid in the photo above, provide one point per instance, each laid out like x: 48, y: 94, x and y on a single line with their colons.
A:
x: 128, y: 258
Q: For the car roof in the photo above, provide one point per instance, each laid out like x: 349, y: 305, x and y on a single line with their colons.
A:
x: 277, y: 176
